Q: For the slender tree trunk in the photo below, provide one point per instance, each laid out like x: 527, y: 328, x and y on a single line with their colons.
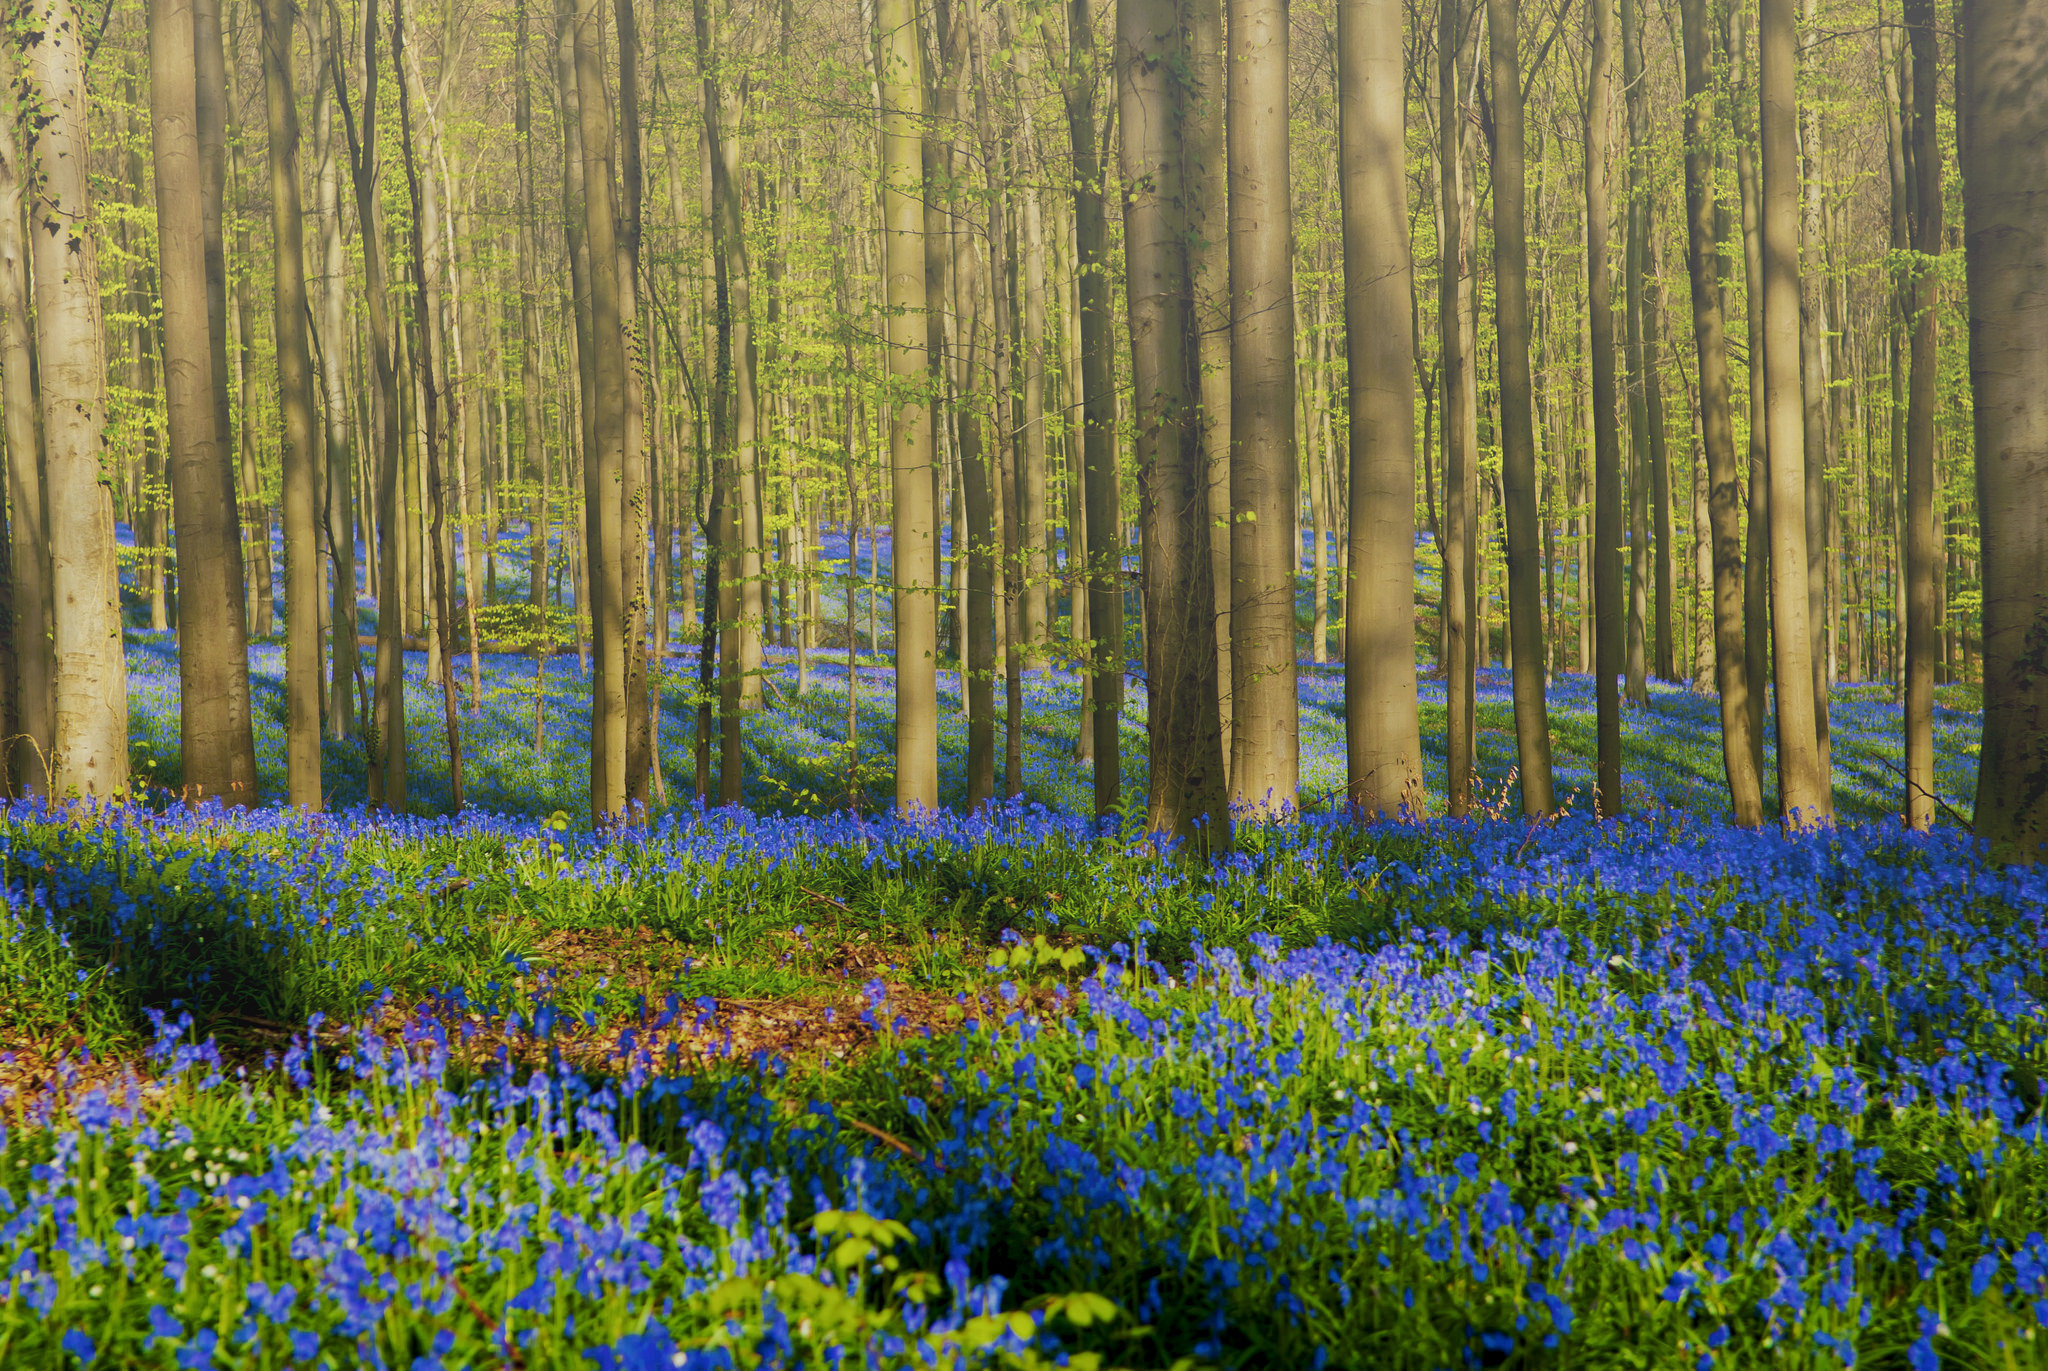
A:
x: 89, y: 754
x: 1813, y: 385
x: 387, y: 769
x: 1644, y: 426
x: 913, y: 518
x: 1207, y: 188
x: 1803, y: 787
x: 1756, y: 570
x: 1461, y: 414
x: 1008, y: 449
x: 214, y: 115
x: 303, y: 581
x: 1264, y: 551
x: 433, y: 545
x: 216, y: 742
x: 1717, y: 428
x: 1186, y: 796
x: 1608, y: 646
x: 1382, y: 733
x: 1923, y: 644
x: 29, y: 543
x: 643, y: 768
x: 1031, y: 490
x: 1102, y: 518
x: 604, y: 462
x: 533, y: 443
x: 339, y: 511
x: 1518, y: 435
x: 2004, y: 150
x: 978, y: 612
x: 258, y: 568
x: 1898, y: 320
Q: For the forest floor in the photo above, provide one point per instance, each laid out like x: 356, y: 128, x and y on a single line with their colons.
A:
x: 776, y: 1087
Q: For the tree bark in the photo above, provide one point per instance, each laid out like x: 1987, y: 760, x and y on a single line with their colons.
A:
x: 386, y: 744
x: 217, y: 747
x: 2004, y: 148
x: 978, y: 613
x: 1518, y: 431
x: 1608, y: 646
x: 1031, y: 489
x: 1264, y: 552
x: 434, y: 505
x: 89, y: 754
x: 1461, y: 412
x: 1717, y: 427
x: 28, y: 542
x: 1804, y: 795
x: 913, y: 522
x: 303, y: 581
x: 1382, y: 732
x: 1101, y: 520
x: 1813, y: 388
x: 1186, y: 795
x: 1756, y: 570
x: 1923, y: 636
x: 1645, y: 398
x: 533, y: 442
x: 604, y: 464
x: 1207, y: 183
x: 339, y: 511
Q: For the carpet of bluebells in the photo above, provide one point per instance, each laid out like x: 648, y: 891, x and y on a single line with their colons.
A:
x: 337, y: 1091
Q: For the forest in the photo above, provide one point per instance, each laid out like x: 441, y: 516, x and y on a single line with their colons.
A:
x: 1114, y: 684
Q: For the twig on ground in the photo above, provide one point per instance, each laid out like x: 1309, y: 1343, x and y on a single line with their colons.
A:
x: 893, y: 1141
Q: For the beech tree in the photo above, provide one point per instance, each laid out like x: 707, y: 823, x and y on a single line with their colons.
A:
x: 295, y: 384
x: 28, y: 530
x: 89, y: 733
x: 1265, y: 553
x: 1383, y: 741
x: 2005, y: 212
x: 1186, y: 796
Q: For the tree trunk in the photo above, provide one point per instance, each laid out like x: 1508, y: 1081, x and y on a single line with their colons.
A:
x: 1207, y: 188
x: 1102, y: 517
x: 1643, y: 426
x: 1031, y: 489
x: 303, y: 581
x: 532, y: 441
x: 978, y: 611
x: 1008, y: 450
x: 1608, y: 646
x: 441, y: 632
x: 1923, y: 644
x: 387, y: 743
x: 89, y: 754
x: 2004, y: 149
x: 1803, y: 788
x: 1461, y: 411
x: 604, y: 462
x: 1813, y: 389
x: 1382, y: 734
x: 1264, y: 552
x: 28, y: 755
x: 258, y: 568
x: 338, y: 513
x: 1186, y: 796
x: 218, y: 751
x: 1717, y: 427
x: 913, y: 521
x: 1518, y: 430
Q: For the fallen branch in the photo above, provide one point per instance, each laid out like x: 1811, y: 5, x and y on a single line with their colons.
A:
x: 893, y: 1141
